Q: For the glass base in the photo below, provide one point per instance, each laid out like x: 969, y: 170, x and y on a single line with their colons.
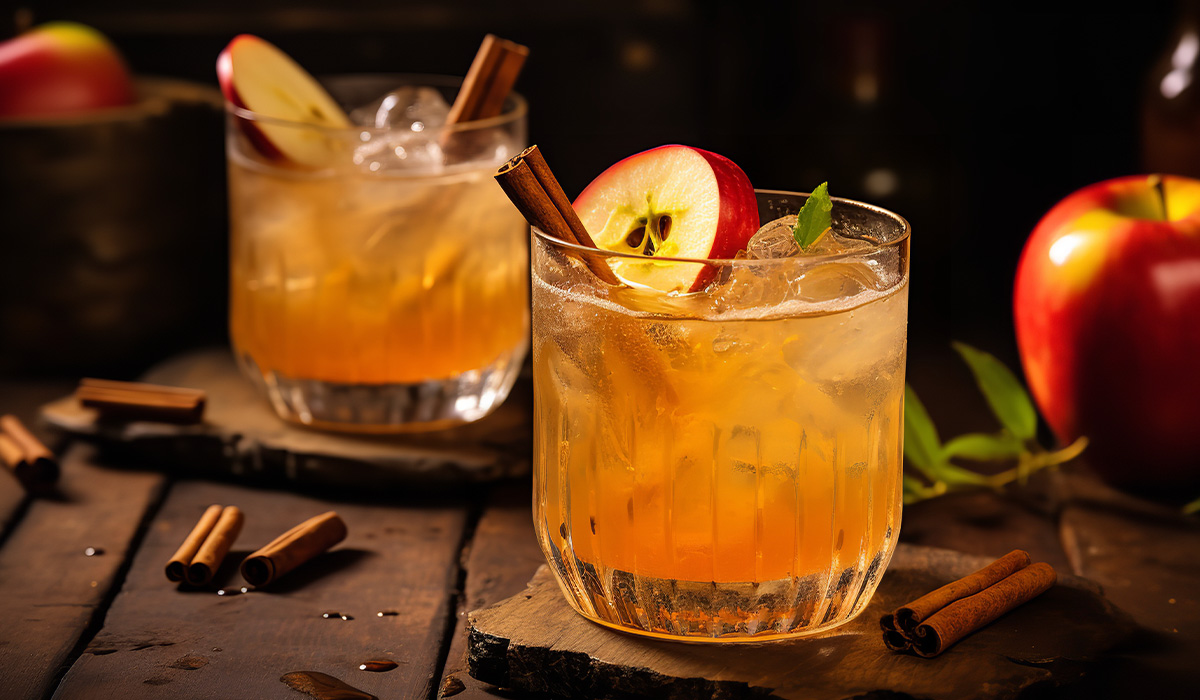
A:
x: 388, y: 408
x: 720, y: 612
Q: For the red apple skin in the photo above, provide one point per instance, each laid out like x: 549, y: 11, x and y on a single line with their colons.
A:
x: 225, y: 80
x: 1107, y: 310
x: 738, y: 218
x: 61, y: 69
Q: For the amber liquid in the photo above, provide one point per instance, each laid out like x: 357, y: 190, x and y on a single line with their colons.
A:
x: 362, y: 278
x: 712, y: 477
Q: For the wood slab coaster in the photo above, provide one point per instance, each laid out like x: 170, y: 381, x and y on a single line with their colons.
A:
x: 535, y: 642
x: 242, y: 436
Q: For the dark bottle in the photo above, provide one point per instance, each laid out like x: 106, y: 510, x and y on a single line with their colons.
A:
x: 1171, y: 102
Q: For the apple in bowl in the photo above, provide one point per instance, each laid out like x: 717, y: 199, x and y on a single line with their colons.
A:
x: 302, y: 121
x: 669, y: 202
x: 1107, y: 310
x: 61, y: 69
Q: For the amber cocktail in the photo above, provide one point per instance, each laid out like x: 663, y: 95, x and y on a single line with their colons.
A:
x: 384, y: 288
x: 725, y: 464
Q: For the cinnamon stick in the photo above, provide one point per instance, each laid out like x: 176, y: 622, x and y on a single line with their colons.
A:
x: 489, y: 80
x: 201, y: 554
x: 216, y: 545
x: 31, y: 461
x: 178, y: 565
x: 532, y: 187
x: 906, y: 618
x: 293, y: 548
x: 946, y: 627
x: 131, y: 401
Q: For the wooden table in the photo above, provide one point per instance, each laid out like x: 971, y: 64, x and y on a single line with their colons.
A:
x: 111, y: 626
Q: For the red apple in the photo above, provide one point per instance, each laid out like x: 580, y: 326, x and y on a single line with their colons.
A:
x: 257, y: 76
x: 674, y: 202
x: 60, y: 69
x: 1107, y: 308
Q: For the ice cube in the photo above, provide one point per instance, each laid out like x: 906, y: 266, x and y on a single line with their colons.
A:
x: 408, y: 108
x: 774, y: 240
x: 403, y: 131
x: 397, y: 150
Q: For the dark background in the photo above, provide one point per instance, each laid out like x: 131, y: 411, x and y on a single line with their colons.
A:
x: 970, y: 120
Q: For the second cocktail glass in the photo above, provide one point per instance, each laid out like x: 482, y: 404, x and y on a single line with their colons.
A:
x: 724, y: 465
x: 384, y: 289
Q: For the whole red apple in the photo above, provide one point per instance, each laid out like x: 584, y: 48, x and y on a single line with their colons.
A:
x: 1107, y: 308
x: 59, y: 69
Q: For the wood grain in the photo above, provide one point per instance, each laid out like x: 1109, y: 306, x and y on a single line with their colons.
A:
x: 51, y: 590
x: 242, y: 436
x: 533, y: 641
x: 162, y: 641
x: 499, y: 561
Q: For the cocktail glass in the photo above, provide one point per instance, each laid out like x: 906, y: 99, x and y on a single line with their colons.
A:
x: 368, y: 294
x: 724, y: 465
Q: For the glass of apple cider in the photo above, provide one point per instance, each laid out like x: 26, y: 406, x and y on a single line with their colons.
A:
x: 724, y: 465
x: 379, y: 274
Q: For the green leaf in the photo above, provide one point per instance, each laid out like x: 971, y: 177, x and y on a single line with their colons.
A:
x: 813, y: 219
x: 1193, y: 507
x: 1004, y: 393
x: 983, y: 447
x: 922, y: 446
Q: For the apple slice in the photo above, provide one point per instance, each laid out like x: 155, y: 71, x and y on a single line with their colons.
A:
x: 674, y: 202
x: 257, y: 76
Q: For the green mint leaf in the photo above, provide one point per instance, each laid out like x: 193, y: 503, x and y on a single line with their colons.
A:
x: 922, y: 446
x: 813, y: 219
x: 1004, y: 394
x: 983, y: 447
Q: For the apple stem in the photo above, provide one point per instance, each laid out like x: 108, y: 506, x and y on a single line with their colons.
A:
x: 1156, y: 181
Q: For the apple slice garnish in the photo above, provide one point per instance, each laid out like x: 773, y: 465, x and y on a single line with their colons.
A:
x: 670, y: 202
x: 257, y: 76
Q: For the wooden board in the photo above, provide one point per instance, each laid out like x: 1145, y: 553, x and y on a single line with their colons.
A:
x: 502, y: 555
x: 160, y: 641
x: 533, y: 641
x: 51, y: 589
x: 242, y: 436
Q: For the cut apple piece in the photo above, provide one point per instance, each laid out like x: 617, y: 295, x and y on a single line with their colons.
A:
x: 671, y: 202
x: 257, y: 76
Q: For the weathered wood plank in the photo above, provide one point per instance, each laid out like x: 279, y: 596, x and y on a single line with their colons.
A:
x: 242, y: 436
x: 986, y: 523
x: 534, y: 641
x: 51, y: 590
x: 158, y: 640
x: 22, y: 399
x: 499, y: 561
x: 1147, y: 557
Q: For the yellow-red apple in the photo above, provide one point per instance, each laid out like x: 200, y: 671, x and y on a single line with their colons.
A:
x: 60, y: 69
x: 1107, y: 308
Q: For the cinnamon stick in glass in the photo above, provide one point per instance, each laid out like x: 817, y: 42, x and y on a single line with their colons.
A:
x: 293, y: 548
x: 31, y: 461
x: 532, y: 187
x: 946, y: 627
x: 131, y: 401
x: 489, y: 80
x: 205, y: 547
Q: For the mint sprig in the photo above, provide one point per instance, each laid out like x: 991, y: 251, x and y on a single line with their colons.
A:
x: 1016, y: 440
x: 813, y: 219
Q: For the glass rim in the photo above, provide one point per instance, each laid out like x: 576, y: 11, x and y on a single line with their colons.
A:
x: 518, y: 111
x: 905, y: 233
